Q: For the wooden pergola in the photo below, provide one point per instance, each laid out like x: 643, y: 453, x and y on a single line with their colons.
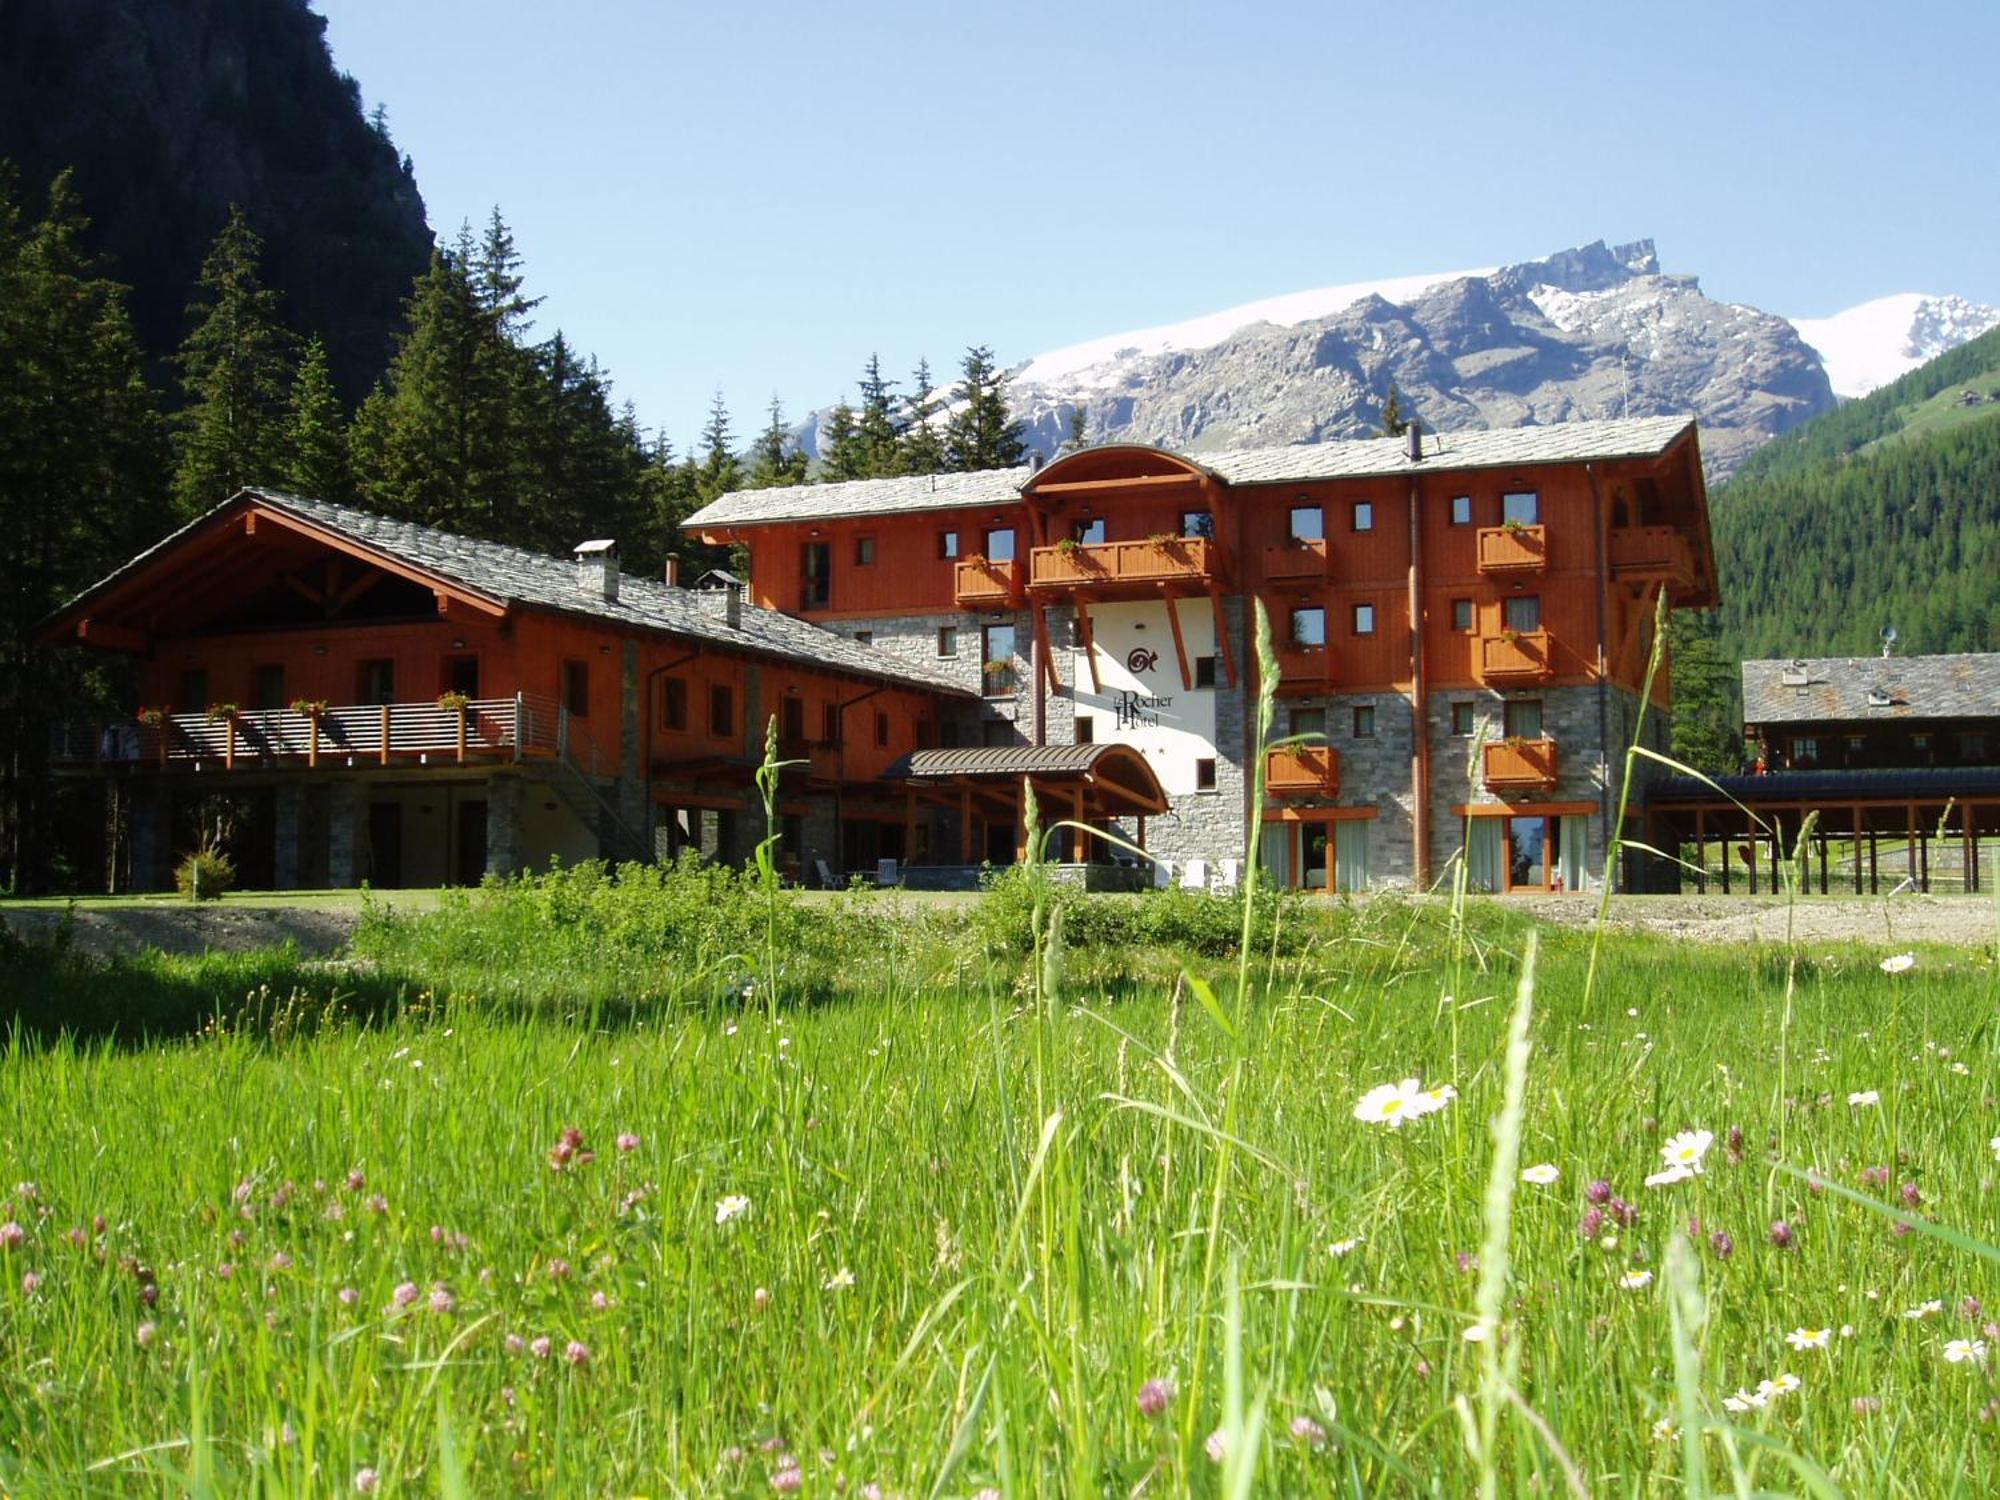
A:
x: 1091, y: 784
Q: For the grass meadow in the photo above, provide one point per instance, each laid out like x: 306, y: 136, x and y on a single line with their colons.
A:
x: 549, y: 1193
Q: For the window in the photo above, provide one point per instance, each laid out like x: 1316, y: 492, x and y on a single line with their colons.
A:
x: 816, y: 575
x: 1198, y: 523
x: 997, y: 732
x: 864, y: 637
x: 721, y: 710
x: 1309, y: 721
x: 1086, y: 730
x: 1308, y: 523
x: 1089, y: 533
x: 1364, y: 619
x: 948, y: 734
x: 1364, y: 721
x: 267, y: 686
x: 947, y: 640
x: 1805, y: 750
x: 1461, y: 614
x: 1461, y: 510
x: 1523, y: 613
x: 1462, y: 720
x: 375, y: 680
x: 194, y: 691
x: 1309, y: 626
x: 1204, y: 671
x: 792, y: 720
x: 864, y: 552
x: 674, y: 705
x: 997, y: 660
x: 1972, y: 746
x: 881, y: 730
x: 576, y: 688
x: 948, y: 545
x: 829, y: 724
x: 1364, y: 515
x: 1524, y: 719
x: 1000, y: 545
x: 1521, y: 508
x: 460, y: 674
x: 1204, y: 774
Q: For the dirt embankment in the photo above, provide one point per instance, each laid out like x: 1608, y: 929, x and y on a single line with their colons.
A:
x: 107, y: 931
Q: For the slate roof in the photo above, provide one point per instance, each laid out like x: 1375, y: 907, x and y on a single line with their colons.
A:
x: 1513, y: 447
x: 515, y: 576
x: 1002, y: 760
x: 1837, y: 689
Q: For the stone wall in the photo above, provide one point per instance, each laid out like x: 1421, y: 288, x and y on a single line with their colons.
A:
x: 1375, y: 771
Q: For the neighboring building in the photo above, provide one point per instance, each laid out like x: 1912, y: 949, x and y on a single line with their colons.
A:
x: 390, y: 703
x: 1489, y: 589
x: 1895, y: 758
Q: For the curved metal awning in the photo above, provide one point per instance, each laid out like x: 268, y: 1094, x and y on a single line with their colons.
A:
x: 1112, y: 780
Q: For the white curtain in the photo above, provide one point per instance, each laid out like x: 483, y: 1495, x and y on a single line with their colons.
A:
x: 1274, y: 852
x: 1573, y: 839
x: 1485, y: 854
x: 1350, y: 854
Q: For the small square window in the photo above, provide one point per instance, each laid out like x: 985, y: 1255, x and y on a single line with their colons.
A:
x: 1204, y: 775
x: 1462, y: 720
x: 1364, y: 619
x: 948, y: 545
x: 864, y: 551
x: 1364, y: 515
x: 1090, y: 533
x: 1204, y: 671
x: 1309, y: 721
x: 1461, y: 510
x: 947, y: 640
x: 1521, y: 508
x: 1308, y: 523
x: 1086, y: 730
x: 1524, y: 719
x: 1461, y: 614
x: 1523, y: 613
x: 1309, y: 626
x: 1364, y: 721
x: 1197, y: 523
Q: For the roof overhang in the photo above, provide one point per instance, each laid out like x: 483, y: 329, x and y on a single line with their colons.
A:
x: 1113, y: 778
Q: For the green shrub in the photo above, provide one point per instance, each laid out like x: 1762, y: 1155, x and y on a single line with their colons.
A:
x: 205, y: 875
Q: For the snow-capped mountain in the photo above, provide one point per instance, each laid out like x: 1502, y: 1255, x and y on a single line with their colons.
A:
x: 1871, y: 345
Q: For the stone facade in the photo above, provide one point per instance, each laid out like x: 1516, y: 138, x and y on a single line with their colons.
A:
x: 346, y: 833
x: 1375, y: 772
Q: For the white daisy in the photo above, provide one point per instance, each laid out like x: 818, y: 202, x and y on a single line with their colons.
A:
x: 1666, y: 1176
x: 1965, y: 1352
x: 1632, y: 1281
x: 1665, y: 1430
x: 840, y: 1280
x: 1899, y: 963
x: 1809, y: 1338
x: 1541, y: 1174
x: 733, y: 1206
x: 1391, y: 1104
x: 1477, y: 1333
x: 1924, y: 1310
x: 1344, y: 1247
x: 1866, y: 1098
x: 1687, y: 1149
x: 1782, y: 1385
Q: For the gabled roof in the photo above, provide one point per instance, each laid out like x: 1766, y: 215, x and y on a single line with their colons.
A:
x: 1861, y: 688
x: 516, y: 577
x: 1507, y: 448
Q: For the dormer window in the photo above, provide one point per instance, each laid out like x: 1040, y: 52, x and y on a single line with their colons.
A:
x: 1879, y: 698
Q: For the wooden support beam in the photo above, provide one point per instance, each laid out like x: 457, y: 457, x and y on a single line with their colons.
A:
x: 1047, y: 650
x: 113, y: 637
x: 1093, y: 486
x: 964, y: 825
x: 1180, y: 643
x: 353, y: 591
x: 1087, y: 635
x: 1222, y: 646
x: 1701, y: 850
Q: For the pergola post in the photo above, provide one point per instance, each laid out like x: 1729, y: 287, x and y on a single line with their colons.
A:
x: 1701, y: 850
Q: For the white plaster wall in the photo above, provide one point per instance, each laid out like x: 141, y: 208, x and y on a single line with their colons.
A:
x: 1141, y: 702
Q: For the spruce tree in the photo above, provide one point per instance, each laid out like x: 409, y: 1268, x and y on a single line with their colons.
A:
x: 315, y: 446
x: 719, y: 472
x: 1079, y: 429
x: 875, y: 426
x: 777, y: 459
x: 841, y: 455
x: 981, y: 434
x: 921, y: 450
x: 1706, y: 732
x: 235, y: 376
x: 1394, y: 423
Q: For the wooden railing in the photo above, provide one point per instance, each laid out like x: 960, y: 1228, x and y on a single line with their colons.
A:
x: 1177, y: 558
x: 1520, y: 656
x: 981, y: 582
x: 1304, y: 666
x: 1513, y: 549
x: 1302, y: 770
x: 485, y: 729
x: 1519, y: 763
x: 1652, y: 554
x: 1301, y: 560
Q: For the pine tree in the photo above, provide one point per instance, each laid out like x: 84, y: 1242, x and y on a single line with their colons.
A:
x: 1079, y: 429
x: 719, y: 472
x: 875, y: 426
x: 841, y: 455
x: 497, y: 278
x: 777, y: 460
x: 981, y: 433
x: 922, y: 448
x: 235, y: 376
x: 1706, y: 734
x: 1394, y: 423
x: 315, y: 447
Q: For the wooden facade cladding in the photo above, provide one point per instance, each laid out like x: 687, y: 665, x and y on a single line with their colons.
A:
x: 1517, y: 765
x: 1117, y: 567
x: 1513, y: 549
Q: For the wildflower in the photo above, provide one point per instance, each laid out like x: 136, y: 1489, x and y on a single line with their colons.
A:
x: 558, y: 1268
x: 1782, y: 1235
x: 1216, y: 1446
x: 365, y: 1481
x: 356, y: 1180
x: 1968, y: 1307
x: 1541, y: 1174
x: 1865, y: 1099
x: 1344, y: 1247
x: 1687, y: 1149
x: 1667, y: 1176
x: 1924, y: 1310
x: 1591, y: 1222
x: 1622, y: 1211
x: 1744, y: 1400
x: 733, y: 1206
x: 1665, y: 1430
x: 1899, y: 963
x: 570, y: 1151
x: 12, y: 1235
x: 1436, y: 1099
x: 144, y: 1333
x: 761, y: 1298
x: 1722, y: 1244
x: 601, y: 1300
x: 1599, y: 1191
x: 577, y: 1352
x: 225, y: 1270
x: 404, y: 1296
x: 1632, y: 1281
x: 787, y: 1479
x: 1809, y: 1338
x: 1995, y: 1145
x: 515, y: 1344
x: 281, y: 1261
x: 1965, y: 1352
x: 1467, y: 1262
x: 377, y: 1204
x: 1155, y: 1396
x: 840, y: 1280
x: 1781, y: 1385
x: 31, y: 1283
x: 1866, y: 1405
x: 1477, y: 1333
x: 1912, y: 1194
x: 1391, y: 1104
x: 442, y: 1300
x: 1847, y: 1330
x: 627, y: 1142
x: 541, y: 1347
x: 1306, y: 1430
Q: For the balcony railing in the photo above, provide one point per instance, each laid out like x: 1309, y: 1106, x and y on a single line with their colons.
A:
x: 1302, y: 666
x: 486, y: 729
x: 983, y: 584
x: 1300, y: 562
x: 1513, y: 765
x: 819, y: 760
x: 999, y: 678
x: 1519, y: 656
x: 1513, y: 549
x: 1652, y: 554
x: 1302, y: 771
x: 1176, y: 559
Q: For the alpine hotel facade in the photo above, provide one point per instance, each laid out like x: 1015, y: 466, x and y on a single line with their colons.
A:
x: 1462, y: 623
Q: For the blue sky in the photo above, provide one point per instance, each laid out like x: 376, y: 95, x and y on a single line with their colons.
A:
x: 753, y: 197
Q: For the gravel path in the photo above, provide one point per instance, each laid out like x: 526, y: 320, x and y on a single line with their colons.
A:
x: 1967, y: 921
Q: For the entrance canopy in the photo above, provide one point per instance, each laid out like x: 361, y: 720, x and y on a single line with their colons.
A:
x: 1089, y: 784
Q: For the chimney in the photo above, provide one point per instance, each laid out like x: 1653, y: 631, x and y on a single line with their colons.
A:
x: 597, y: 569
x: 1035, y: 462
x: 1416, y: 436
x: 732, y: 605
x: 673, y: 572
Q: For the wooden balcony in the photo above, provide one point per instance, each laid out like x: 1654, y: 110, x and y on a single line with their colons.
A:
x: 1519, y: 765
x: 1111, y: 566
x: 1520, y: 656
x: 1304, y: 668
x: 1302, y: 771
x: 1513, y: 549
x: 487, y: 729
x: 817, y: 760
x: 1652, y: 554
x: 1300, y: 562
x: 988, y: 585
